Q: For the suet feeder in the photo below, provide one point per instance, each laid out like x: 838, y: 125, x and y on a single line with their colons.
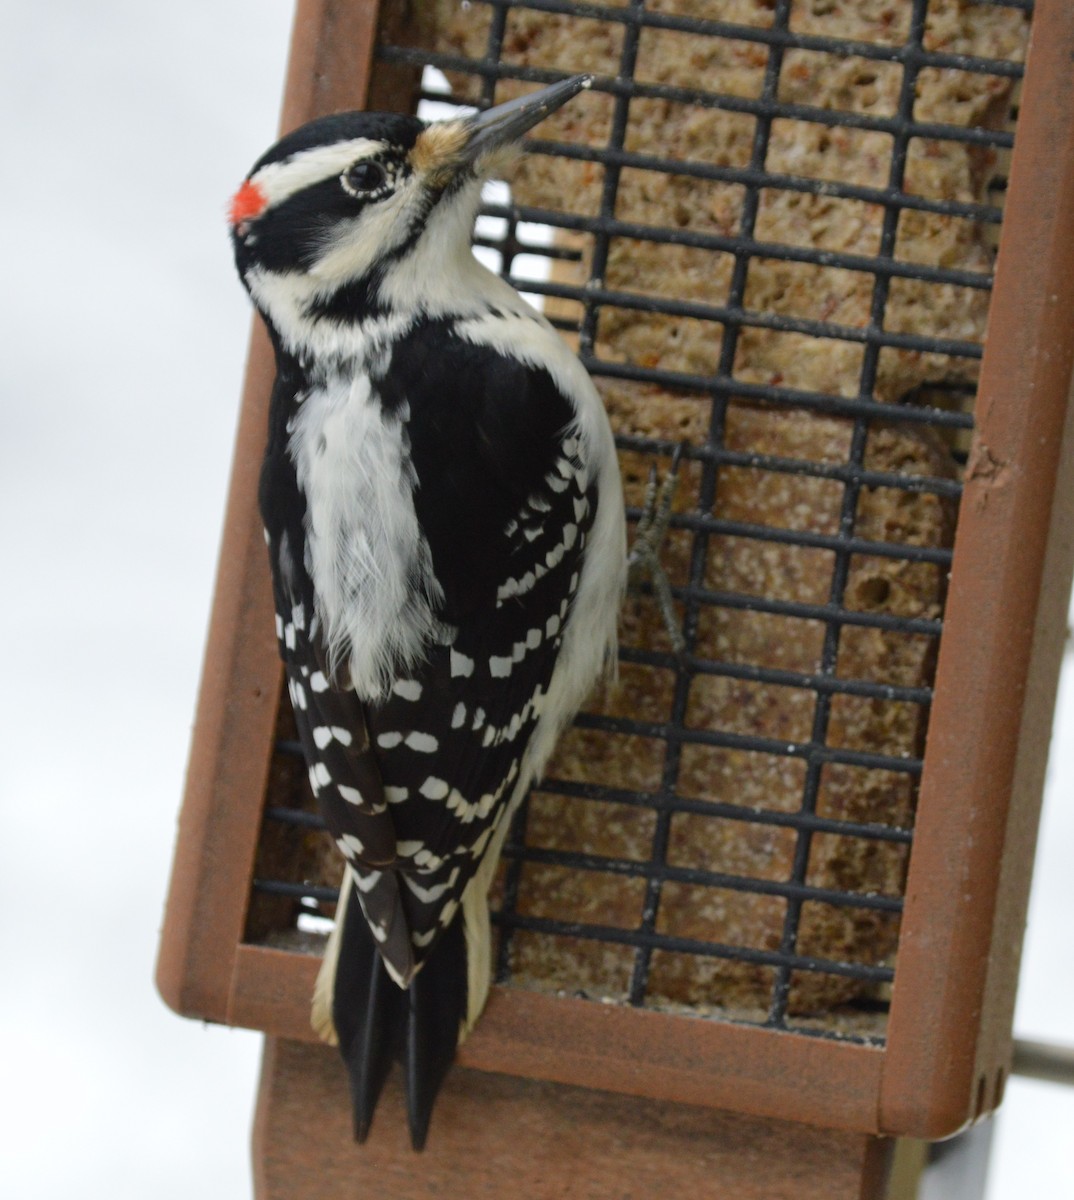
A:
x: 764, y: 914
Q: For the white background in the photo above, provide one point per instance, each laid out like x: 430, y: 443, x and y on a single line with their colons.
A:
x: 126, y: 126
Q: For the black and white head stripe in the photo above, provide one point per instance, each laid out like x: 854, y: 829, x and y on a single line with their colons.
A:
x: 279, y: 181
x: 316, y: 225
x: 298, y: 164
x: 324, y: 149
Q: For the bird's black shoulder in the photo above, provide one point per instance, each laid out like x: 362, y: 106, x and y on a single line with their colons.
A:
x: 485, y: 429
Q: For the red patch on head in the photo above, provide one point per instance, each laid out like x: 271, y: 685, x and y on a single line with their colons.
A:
x: 248, y: 202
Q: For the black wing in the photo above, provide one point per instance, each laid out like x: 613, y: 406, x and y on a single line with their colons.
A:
x: 503, y: 501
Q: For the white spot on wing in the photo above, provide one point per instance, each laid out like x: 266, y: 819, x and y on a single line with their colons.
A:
x: 462, y: 666
x: 350, y: 845
x: 408, y: 689
x: 422, y: 857
x: 434, y: 789
x: 427, y: 895
x: 424, y: 743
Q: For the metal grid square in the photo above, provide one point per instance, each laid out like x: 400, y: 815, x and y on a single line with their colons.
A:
x: 723, y: 833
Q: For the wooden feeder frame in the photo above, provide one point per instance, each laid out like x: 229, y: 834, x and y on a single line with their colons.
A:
x: 948, y: 1045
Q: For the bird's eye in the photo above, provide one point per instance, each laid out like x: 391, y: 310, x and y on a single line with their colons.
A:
x: 363, y: 178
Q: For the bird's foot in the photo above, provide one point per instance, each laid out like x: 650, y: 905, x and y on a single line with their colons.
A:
x: 643, y: 561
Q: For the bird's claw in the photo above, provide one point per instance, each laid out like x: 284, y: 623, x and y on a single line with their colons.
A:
x: 643, y: 560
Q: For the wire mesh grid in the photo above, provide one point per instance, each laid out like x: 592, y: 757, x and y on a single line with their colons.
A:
x: 768, y: 229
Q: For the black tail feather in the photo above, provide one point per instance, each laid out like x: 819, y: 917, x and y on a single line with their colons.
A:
x: 377, y: 1022
x: 436, y: 1011
x: 369, y: 1013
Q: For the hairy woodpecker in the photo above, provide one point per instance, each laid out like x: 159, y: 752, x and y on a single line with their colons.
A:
x: 444, y: 517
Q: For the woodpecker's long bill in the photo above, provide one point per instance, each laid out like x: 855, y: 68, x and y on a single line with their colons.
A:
x: 444, y: 521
